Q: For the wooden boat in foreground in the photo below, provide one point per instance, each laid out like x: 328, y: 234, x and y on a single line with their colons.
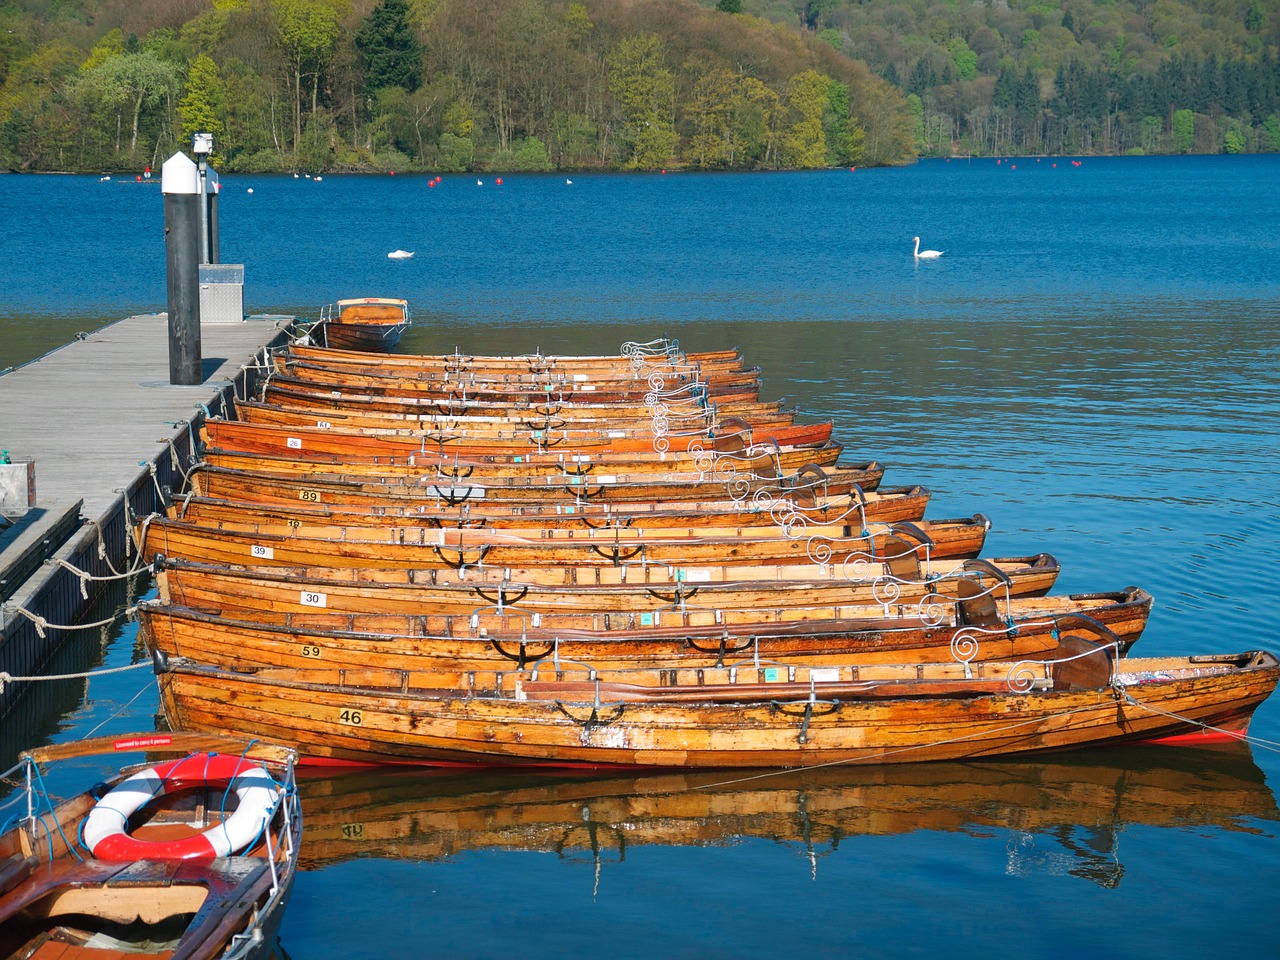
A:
x: 771, y: 717
x: 968, y: 630
x: 190, y: 859
x: 371, y: 324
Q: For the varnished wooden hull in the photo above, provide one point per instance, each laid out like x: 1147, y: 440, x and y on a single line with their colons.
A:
x: 388, y: 718
x: 263, y: 637
x: 743, y: 384
x: 307, y: 436
x: 957, y: 537
x: 472, y: 501
x: 650, y: 589
x: 536, y: 364
x: 544, y: 432
x: 807, y: 488
x: 293, y: 393
x: 238, y: 448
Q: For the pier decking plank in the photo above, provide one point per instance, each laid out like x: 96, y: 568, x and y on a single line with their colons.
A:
x: 88, y: 413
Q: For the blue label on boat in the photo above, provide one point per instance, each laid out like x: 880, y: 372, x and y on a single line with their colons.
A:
x: 646, y: 619
x: 770, y: 674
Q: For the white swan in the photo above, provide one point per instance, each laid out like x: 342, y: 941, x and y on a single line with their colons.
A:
x: 400, y: 254
x: 926, y: 254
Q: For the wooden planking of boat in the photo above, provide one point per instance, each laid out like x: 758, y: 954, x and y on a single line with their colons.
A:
x: 743, y: 384
x: 631, y: 588
x: 968, y: 630
x: 155, y: 862
x: 810, y: 485
x: 772, y: 717
x: 310, y: 438
x: 636, y: 359
x: 369, y: 455
x: 953, y: 537
x: 367, y: 324
x: 530, y: 429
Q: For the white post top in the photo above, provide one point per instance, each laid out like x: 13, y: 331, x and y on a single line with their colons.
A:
x: 179, y: 175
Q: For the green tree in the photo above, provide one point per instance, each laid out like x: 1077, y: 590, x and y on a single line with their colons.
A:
x: 804, y: 144
x: 1184, y: 130
x: 132, y: 82
x: 204, y: 105
x: 729, y: 6
x: 308, y: 30
x: 390, y: 48
x: 645, y: 91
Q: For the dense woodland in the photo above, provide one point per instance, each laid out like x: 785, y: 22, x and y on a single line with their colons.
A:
x: 451, y: 85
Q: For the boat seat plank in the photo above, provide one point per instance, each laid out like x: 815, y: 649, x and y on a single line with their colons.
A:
x: 47, y: 877
x: 14, y: 871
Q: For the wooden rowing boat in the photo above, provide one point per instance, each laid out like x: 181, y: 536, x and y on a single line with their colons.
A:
x: 159, y: 864
x: 941, y: 632
x: 629, y: 588
x: 480, y: 386
x: 691, y: 407
x: 956, y: 537
x: 821, y: 494
x: 368, y: 324
x: 323, y: 452
x: 638, y: 359
x: 771, y: 717
x: 1044, y: 804
x: 372, y: 442
x: 542, y: 432
x: 326, y: 483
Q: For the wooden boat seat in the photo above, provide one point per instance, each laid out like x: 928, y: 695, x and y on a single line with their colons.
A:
x: 1085, y: 665
x: 14, y: 871
x: 365, y: 312
x: 977, y: 605
x: 902, y: 560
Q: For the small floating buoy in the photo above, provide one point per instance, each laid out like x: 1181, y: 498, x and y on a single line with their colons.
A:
x: 250, y: 190
x: 431, y: 184
x: 498, y: 181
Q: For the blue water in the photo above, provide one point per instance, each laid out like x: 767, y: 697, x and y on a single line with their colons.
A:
x: 1093, y: 364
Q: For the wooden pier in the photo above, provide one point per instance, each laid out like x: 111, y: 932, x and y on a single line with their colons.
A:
x: 109, y: 437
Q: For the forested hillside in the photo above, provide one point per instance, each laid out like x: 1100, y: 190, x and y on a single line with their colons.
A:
x: 450, y: 85
x: 1066, y: 76
x: 439, y: 85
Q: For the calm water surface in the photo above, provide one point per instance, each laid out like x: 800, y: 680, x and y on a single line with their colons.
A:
x: 1093, y: 364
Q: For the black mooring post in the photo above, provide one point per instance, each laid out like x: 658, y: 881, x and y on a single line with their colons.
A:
x: 181, y: 187
x: 213, y: 224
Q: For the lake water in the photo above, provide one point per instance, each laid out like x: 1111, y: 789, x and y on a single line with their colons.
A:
x: 1094, y: 364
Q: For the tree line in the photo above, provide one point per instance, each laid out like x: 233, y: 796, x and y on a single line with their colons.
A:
x: 434, y: 85
x: 1001, y: 77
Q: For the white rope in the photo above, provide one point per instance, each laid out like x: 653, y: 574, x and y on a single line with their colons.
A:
x: 86, y: 577
x: 42, y: 624
x: 1233, y: 734
x: 10, y: 678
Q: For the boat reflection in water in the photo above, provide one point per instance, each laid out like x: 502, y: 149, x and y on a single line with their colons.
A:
x: 1064, y: 815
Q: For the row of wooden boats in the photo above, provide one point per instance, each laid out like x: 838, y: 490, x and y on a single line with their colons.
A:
x: 618, y: 561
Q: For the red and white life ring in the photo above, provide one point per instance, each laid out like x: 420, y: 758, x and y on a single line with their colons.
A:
x: 259, y: 795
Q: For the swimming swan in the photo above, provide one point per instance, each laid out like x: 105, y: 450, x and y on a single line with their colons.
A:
x: 926, y: 254
x: 400, y: 254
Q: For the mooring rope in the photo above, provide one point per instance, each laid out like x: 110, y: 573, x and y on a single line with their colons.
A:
x: 42, y: 624
x: 1233, y: 734
x: 87, y: 577
x: 85, y: 674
